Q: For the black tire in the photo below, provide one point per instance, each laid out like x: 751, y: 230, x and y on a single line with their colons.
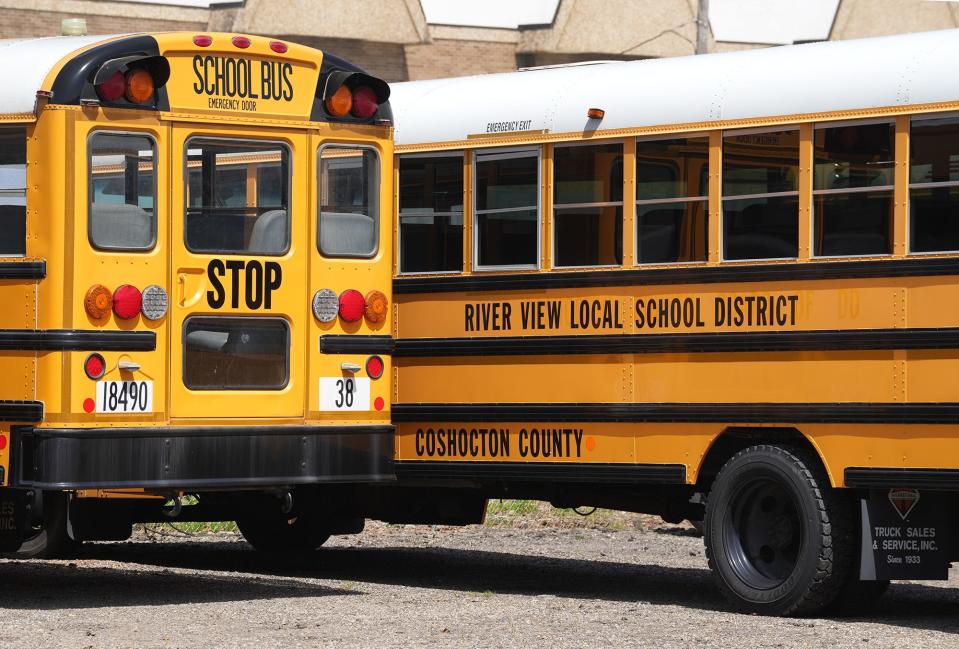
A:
x: 50, y: 539
x: 778, y: 538
x: 278, y: 532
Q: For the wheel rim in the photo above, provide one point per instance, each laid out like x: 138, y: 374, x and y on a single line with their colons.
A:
x: 763, y: 535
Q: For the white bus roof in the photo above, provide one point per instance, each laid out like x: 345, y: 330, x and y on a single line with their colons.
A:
x: 813, y: 78
x: 25, y: 63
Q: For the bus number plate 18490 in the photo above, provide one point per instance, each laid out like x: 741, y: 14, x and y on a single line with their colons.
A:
x: 125, y: 396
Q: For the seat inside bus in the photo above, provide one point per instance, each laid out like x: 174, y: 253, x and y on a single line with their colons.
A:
x: 120, y: 225
x: 269, y: 232
x: 346, y: 233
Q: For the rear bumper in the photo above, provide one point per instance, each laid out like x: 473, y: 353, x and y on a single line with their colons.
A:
x: 201, y: 457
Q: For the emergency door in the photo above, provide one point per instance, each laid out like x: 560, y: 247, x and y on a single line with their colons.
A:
x: 239, y: 245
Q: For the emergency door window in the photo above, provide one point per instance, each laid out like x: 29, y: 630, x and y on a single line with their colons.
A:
x: 13, y: 191
x: 236, y: 353
x: 238, y: 197
x: 348, y: 187
x: 122, y: 191
x: 507, y: 210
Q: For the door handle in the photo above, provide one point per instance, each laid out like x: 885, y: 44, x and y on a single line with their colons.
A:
x: 187, y: 293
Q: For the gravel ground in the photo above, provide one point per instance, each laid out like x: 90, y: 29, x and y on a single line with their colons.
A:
x: 626, y: 582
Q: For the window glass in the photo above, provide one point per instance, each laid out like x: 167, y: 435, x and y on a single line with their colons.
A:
x: 236, y: 353
x: 854, y: 156
x: 122, y: 191
x: 676, y: 168
x: 671, y: 232
x: 587, y: 205
x: 227, y: 209
x: 934, y: 185
x: 761, y: 228
x: 760, y: 163
x: 13, y: 191
x: 349, y: 184
x: 672, y: 182
x: 507, y: 209
x: 856, y: 223
x: 431, y: 214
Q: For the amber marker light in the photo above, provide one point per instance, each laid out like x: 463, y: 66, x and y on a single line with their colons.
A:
x: 340, y: 103
x: 98, y: 302
x: 139, y: 88
x: 376, y: 306
x: 595, y: 113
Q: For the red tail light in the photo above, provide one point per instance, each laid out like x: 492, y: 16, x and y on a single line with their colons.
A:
x: 95, y: 367
x: 113, y: 88
x: 279, y: 47
x: 374, y: 367
x: 364, y: 103
x: 127, y: 302
x: 202, y: 40
x: 352, y: 305
x: 241, y: 41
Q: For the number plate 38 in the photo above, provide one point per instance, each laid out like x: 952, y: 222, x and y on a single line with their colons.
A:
x: 124, y: 396
x: 344, y: 393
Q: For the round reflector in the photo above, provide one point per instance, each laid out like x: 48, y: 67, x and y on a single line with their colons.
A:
x: 3, y: 442
x: 352, y: 305
x: 202, y: 40
x: 241, y: 41
x: 98, y: 301
x: 139, y: 88
x: 374, y: 367
x: 376, y: 306
x: 155, y: 302
x: 127, y: 302
x: 326, y: 305
x: 113, y: 88
x: 95, y: 367
x: 279, y: 47
x: 364, y: 103
x: 340, y: 103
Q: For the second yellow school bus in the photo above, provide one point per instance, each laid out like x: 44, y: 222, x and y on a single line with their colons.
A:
x: 196, y: 287
x: 719, y: 286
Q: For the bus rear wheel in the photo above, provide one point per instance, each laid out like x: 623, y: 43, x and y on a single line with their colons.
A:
x: 778, y: 537
x: 50, y: 537
x: 279, y: 532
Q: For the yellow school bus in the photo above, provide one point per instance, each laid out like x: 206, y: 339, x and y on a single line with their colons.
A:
x: 196, y: 287
x: 716, y: 288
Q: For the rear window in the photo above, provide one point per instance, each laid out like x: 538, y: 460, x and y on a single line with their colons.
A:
x: 236, y: 353
x: 348, y: 187
x: 13, y: 191
x: 238, y: 197
x: 122, y: 191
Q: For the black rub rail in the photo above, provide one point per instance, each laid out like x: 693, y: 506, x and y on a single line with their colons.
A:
x: 75, y: 340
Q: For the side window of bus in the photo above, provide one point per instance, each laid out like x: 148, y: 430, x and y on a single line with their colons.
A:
x: 348, y: 215
x: 671, y: 200
x: 13, y: 191
x: 122, y: 191
x: 761, y: 195
x: 852, y: 189
x: 431, y: 214
x: 934, y: 185
x: 238, y: 197
x: 588, y: 205
x: 507, y: 209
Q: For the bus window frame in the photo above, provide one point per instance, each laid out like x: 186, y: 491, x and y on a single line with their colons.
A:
x: 289, y: 190
x: 458, y: 153
x: 909, y: 185
x: 377, y: 208
x: 479, y: 155
x: 90, y: 191
x: 798, y: 193
x: 680, y: 135
x: 891, y: 121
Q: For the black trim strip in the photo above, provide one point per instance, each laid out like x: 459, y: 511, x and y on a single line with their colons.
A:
x: 23, y: 269
x: 177, y: 432
x: 21, y: 410
x: 774, y: 413
x: 934, y: 479
x: 76, y: 340
x: 828, y: 340
x: 348, y: 344
x: 687, y: 275
x: 543, y: 471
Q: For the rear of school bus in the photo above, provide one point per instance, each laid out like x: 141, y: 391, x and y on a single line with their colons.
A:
x: 196, y: 287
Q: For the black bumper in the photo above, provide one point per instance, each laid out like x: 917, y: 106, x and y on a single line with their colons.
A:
x: 201, y: 457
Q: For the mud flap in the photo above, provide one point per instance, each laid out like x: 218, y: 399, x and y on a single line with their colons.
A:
x: 15, y: 506
x: 905, y: 535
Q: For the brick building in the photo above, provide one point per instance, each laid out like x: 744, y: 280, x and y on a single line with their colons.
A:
x: 395, y: 39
